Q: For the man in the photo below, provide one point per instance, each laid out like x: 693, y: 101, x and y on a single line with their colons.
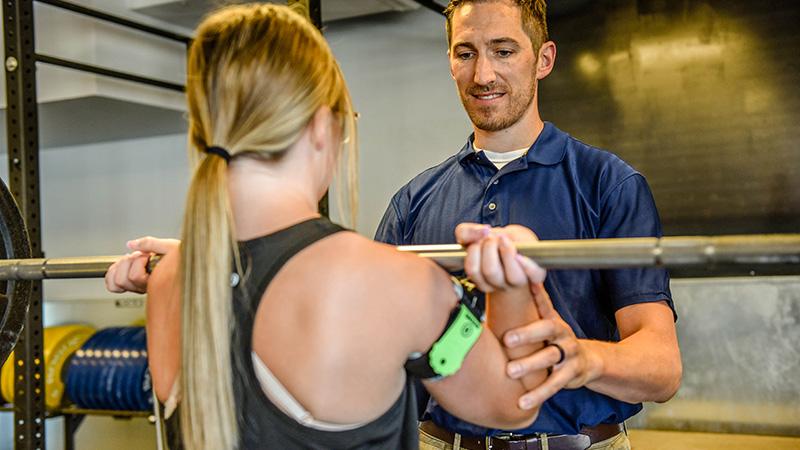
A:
x: 613, y: 329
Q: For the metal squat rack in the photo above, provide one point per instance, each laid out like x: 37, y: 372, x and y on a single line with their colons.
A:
x: 22, y: 129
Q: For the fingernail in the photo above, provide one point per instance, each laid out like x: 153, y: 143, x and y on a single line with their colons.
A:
x: 525, y: 403
x: 514, y: 370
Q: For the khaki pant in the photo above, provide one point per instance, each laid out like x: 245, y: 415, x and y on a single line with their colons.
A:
x: 618, y: 442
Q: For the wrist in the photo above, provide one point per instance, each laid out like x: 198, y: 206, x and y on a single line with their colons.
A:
x: 595, y: 363
x: 517, y: 296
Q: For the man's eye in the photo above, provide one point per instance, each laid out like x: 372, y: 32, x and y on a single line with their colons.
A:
x: 504, y: 53
x: 465, y: 56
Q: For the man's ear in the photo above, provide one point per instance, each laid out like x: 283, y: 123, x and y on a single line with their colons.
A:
x: 546, y: 60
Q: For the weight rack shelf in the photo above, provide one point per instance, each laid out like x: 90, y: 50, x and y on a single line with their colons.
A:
x: 73, y: 411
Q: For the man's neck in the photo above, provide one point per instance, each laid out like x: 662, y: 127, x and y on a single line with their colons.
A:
x: 520, y: 135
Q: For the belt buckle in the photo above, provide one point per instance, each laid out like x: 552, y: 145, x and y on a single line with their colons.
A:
x: 506, y: 436
x: 488, y: 440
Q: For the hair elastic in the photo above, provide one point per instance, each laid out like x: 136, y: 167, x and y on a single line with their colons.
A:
x: 219, y: 151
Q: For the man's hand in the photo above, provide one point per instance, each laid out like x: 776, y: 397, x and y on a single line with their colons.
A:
x: 579, y: 366
x: 492, y: 262
x: 129, y: 274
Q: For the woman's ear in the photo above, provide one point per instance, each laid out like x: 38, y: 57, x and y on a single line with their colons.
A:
x: 321, y: 127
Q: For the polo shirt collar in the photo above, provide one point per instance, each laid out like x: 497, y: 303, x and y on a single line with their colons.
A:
x: 548, y: 149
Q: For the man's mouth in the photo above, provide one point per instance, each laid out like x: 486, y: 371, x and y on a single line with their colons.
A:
x: 488, y: 96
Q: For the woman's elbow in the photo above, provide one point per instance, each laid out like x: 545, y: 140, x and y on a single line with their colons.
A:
x: 514, y: 418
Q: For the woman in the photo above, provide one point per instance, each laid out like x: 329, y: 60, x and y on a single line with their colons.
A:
x: 293, y: 332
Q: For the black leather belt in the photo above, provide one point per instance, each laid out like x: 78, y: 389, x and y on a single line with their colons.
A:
x: 581, y: 441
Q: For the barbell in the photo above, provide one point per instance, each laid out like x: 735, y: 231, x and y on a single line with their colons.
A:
x: 18, y: 270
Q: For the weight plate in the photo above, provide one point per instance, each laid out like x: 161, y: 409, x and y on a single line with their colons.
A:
x: 114, y: 390
x: 14, y: 295
x: 59, y: 345
x: 86, y: 371
x: 137, y: 346
x: 7, y: 379
x: 94, y: 398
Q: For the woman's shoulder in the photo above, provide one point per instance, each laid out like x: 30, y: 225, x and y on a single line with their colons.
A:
x: 361, y: 256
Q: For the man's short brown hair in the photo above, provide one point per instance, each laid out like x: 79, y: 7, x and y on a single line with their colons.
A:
x: 533, y: 12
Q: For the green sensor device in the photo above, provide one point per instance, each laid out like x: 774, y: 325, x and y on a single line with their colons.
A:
x: 463, y: 329
x: 449, y: 352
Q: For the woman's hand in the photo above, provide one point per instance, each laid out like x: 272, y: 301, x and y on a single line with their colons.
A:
x: 492, y: 261
x: 129, y: 274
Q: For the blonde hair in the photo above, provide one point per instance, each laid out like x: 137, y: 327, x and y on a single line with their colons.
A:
x: 256, y: 75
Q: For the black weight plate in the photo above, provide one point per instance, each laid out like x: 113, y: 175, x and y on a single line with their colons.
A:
x: 14, y: 295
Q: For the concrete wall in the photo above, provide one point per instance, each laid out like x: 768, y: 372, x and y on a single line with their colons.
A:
x: 738, y: 339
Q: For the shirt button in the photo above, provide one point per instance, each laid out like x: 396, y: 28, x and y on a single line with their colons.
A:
x: 492, y: 206
x: 495, y: 182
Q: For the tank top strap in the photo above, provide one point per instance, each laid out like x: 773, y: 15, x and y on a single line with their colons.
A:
x: 262, y: 259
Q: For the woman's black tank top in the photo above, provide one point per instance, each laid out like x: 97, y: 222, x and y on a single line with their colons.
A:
x: 261, y: 424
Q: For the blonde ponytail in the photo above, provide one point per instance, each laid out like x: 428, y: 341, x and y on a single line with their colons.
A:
x: 207, y: 255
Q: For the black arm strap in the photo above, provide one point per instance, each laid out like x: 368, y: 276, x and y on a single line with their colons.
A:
x: 463, y: 328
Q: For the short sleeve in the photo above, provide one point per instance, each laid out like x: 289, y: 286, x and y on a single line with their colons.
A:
x: 628, y: 210
x: 390, y: 229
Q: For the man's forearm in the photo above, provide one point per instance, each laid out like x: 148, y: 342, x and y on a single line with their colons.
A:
x: 642, y: 367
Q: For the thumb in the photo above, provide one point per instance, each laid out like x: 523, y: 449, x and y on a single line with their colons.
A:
x: 543, y: 303
x: 149, y: 244
x: 468, y: 233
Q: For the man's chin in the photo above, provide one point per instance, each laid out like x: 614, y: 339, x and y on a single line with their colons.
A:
x: 490, y: 124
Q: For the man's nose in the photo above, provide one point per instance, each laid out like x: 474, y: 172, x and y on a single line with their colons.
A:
x: 484, y: 71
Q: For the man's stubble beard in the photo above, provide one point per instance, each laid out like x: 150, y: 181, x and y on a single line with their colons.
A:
x: 486, y: 120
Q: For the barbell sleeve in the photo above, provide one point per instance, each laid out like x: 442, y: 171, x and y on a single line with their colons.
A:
x: 62, y: 268
x: 672, y: 251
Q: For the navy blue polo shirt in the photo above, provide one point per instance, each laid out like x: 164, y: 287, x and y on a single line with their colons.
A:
x: 561, y: 189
